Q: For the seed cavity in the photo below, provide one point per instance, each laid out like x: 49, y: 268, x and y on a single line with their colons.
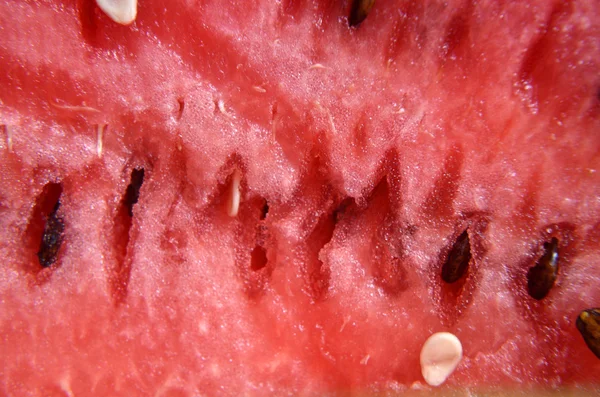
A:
x: 258, y: 258
x: 458, y: 260
x: 359, y: 11
x: 52, y: 236
x: 264, y: 210
x: 542, y: 276
x: 122, y: 235
x: 588, y: 324
x: 440, y: 355
x: 180, y: 108
x: 122, y: 12
x: 132, y: 193
x: 318, y: 272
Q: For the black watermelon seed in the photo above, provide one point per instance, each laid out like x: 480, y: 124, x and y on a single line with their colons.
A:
x: 541, y: 277
x: 359, y: 11
x: 458, y: 259
x: 51, y: 238
x: 588, y: 324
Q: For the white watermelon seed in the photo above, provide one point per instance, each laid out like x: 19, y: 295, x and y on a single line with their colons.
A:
x: 234, y: 198
x: 75, y: 108
x: 100, y: 143
x: 365, y: 359
x: 440, y: 356
x: 222, y: 109
x: 65, y: 385
x: 120, y: 11
x: 9, y: 141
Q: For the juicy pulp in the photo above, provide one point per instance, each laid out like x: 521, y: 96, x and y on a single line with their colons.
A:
x: 374, y: 147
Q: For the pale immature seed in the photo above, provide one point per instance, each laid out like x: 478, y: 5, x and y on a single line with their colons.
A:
x: 233, y: 205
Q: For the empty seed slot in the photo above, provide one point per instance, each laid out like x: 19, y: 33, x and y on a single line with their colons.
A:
x: 253, y: 254
x: 181, y: 107
x: 387, y: 265
x: 46, y: 226
x: 258, y: 258
x: 318, y: 273
x: 122, y: 234
x: 264, y: 211
x: 132, y: 193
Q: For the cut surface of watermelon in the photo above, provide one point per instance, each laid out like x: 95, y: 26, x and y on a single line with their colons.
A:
x: 254, y: 198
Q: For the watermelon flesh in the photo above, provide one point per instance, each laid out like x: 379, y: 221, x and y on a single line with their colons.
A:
x: 364, y: 153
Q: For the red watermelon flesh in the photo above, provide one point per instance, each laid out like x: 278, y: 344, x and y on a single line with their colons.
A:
x: 364, y: 153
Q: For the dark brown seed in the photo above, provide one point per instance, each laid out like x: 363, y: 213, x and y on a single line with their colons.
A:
x: 458, y: 259
x: 132, y: 194
x: 541, y: 277
x: 359, y: 11
x: 51, y: 238
x: 588, y: 324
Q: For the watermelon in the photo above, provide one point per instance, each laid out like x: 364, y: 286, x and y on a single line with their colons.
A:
x: 299, y: 197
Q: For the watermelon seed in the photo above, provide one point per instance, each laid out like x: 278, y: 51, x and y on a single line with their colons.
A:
x: 233, y: 202
x: 588, y: 324
x: 9, y: 137
x: 440, y: 355
x: 54, y: 227
x: 359, y: 11
x: 365, y: 359
x: 100, y: 140
x: 542, y: 276
x: 74, y: 108
x: 221, y: 106
x: 122, y: 12
x: 458, y: 260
